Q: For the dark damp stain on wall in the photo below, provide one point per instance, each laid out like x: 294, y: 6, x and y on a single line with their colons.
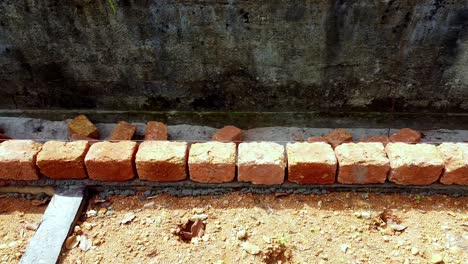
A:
x: 235, y: 55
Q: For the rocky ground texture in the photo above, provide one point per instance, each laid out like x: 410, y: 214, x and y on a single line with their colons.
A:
x: 343, y: 227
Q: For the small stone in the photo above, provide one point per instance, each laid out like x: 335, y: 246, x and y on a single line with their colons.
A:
x: 128, y: 217
x: 148, y: 205
x: 102, y: 211
x: 266, y: 239
x: 250, y: 248
x: 414, y: 251
x: 241, y: 234
x: 437, y: 258
x: 344, y: 248
x: 199, y: 217
x: 91, y: 213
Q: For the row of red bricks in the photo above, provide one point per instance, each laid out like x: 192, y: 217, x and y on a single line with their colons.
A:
x: 218, y: 162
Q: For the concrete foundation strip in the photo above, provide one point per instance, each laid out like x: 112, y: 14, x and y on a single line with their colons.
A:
x: 57, y: 221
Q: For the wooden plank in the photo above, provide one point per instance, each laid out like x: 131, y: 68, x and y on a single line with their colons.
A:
x: 55, y: 226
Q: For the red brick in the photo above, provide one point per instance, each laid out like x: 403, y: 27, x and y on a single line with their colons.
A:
x: 162, y: 161
x: 379, y: 139
x: 83, y: 127
x: 123, y: 131
x: 362, y: 163
x: 317, y: 139
x: 261, y: 163
x: 311, y: 163
x: 63, y: 160
x: 414, y: 164
x: 4, y: 138
x: 338, y: 137
x: 155, y: 131
x: 228, y: 133
x: 18, y: 160
x: 111, y: 161
x: 75, y: 137
x: 212, y: 162
x: 406, y: 135
x: 456, y: 163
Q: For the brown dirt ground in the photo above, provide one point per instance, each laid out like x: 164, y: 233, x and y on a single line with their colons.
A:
x: 18, y: 220
x: 329, y: 228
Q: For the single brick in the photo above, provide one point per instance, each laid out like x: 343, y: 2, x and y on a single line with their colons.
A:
x: 261, y: 163
x: 317, y: 139
x: 123, y: 131
x: 83, y: 127
x: 419, y: 164
x: 338, y: 137
x: 63, y: 160
x: 18, y: 160
x: 311, y: 163
x: 4, y: 138
x: 406, y: 135
x: 379, y: 139
x: 155, y: 131
x: 362, y: 163
x: 111, y: 161
x: 212, y: 162
x: 162, y: 161
x: 228, y: 133
x: 75, y: 137
x: 456, y: 163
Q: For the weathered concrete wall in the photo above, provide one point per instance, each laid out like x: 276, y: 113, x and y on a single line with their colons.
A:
x: 235, y: 55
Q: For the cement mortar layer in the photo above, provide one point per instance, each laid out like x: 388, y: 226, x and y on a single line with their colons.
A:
x: 41, y: 129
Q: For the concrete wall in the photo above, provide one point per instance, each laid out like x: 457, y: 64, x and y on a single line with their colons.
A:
x: 235, y: 55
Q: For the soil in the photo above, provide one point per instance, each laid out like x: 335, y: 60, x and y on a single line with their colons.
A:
x: 247, y: 228
x: 18, y: 220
